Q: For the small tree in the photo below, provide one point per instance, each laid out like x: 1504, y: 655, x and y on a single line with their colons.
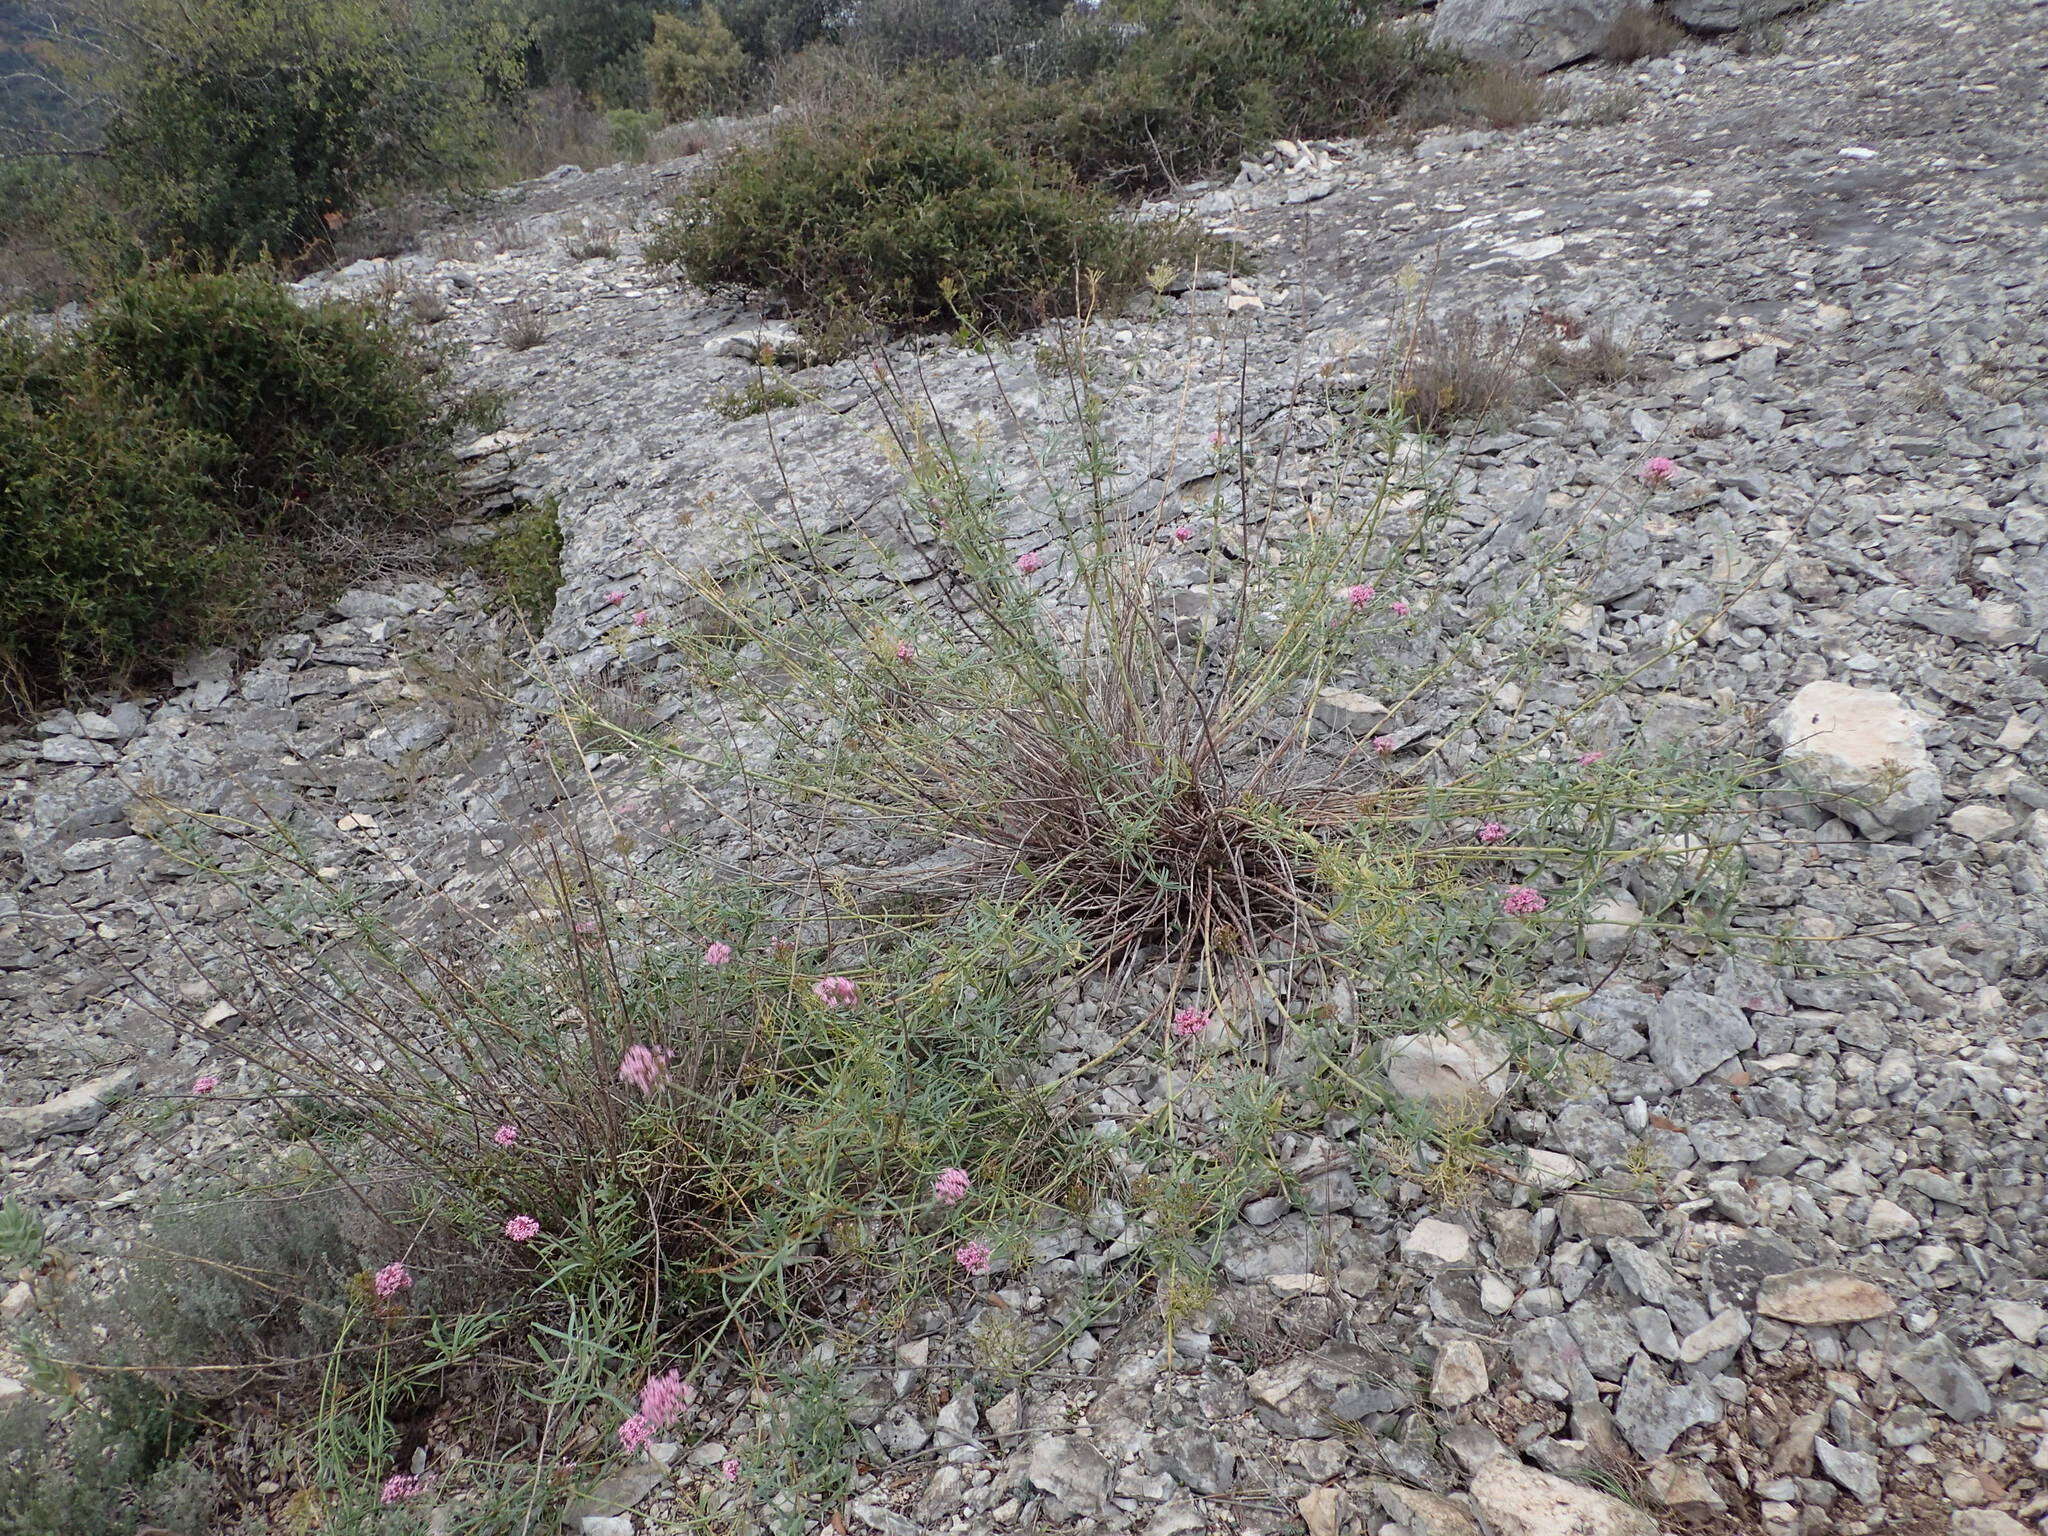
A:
x: 694, y: 65
x: 238, y: 127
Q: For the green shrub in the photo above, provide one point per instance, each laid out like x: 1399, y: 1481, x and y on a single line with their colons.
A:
x: 279, y: 117
x: 330, y: 409
x: 694, y: 65
x: 202, y: 453
x: 907, y: 219
x: 87, y: 1473
x: 1204, y: 84
x: 524, y: 562
x: 112, y: 548
x: 631, y: 131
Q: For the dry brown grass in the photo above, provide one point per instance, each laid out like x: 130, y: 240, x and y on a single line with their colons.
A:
x: 522, y: 328
x: 1640, y: 32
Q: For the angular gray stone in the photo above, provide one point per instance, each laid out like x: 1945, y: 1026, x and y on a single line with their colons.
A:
x: 1849, y: 1469
x: 1552, y: 1362
x: 1069, y: 1469
x: 1542, y: 34
x: 1934, y: 1370
x: 1653, y: 1412
x: 1692, y: 1033
x: 75, y: 1109
x: 1197, y: 1459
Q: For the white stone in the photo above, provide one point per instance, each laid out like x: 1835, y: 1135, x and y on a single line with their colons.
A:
x: 1862, y: 754
x: 1611, y: 925
x: 1887, y: 1220
x: 1518, y: 1500
x: 1982, y: 823
x: 1439, y: 1242
x: 1449, y: 1069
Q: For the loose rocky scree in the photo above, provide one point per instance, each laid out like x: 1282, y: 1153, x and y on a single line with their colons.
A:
x: 1769, y: 1258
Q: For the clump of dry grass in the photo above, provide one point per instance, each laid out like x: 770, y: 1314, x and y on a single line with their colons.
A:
x: 1640, y: 32
x: 522, y: 327
x: 1465, y: 369
x: 1461, y: 369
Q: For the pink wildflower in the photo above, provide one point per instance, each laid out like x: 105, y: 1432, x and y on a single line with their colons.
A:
x: 905, y: 651
x: 641, y: 617
x: 391, y: 1279
x: 836, y: 992
x: 1182, y: 534
x: 1492, y: 832
x: 716, y: 953
x: 730, y: 1469
x: 951, y: 1186
x: 1520, y: 901
x: 977, y: 1258
x: 1383, y: 745
x: 615, y: 597
x: 1216, y: 438
x: 1190, y: 1021
x: 400, y: 1486
x: 1359, y: 595
x: 1657, y: 472
x: 1400, y: 607
x: 644, y: 1066
x: 663, y: 1398
x: 505, y: 1135
x: 635, y: 1432
x: 1588, y: 759
x: 586, y: 925
x: 205, y: 1084
x: 521, y: 1228
x: 1031, y: 560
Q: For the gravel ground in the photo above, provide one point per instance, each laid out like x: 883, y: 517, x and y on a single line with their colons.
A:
x: 1823, y: 1308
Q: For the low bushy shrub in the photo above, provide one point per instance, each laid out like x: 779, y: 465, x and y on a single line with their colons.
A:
x: 1202, y: 84
x: 279, y: 117
x: 906, y: 219
x: 112, y: 546
x: 202, y: 453
x: 1640, y: 32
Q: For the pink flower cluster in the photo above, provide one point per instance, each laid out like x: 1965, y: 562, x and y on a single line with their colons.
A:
x: 644, y: 1066
x: 206, y: 1084
x: 836, y: 992
x: 951, y: 1186
x: 977, y: 1258
x: 729, y: 1469
x: 391, y: 1279
x: 662, y: 1401
x: 1493, y: 832
x: 1190, y: 1021
x: 1383, y: 745
x: 1031, y: 560
x: 1657, y: 473
x: 521, y: 1228
x: 1359, y: 596
x: 1183, y: 534
x: 716, y: 953
x: 1588, y: 759
x: 905, y: 651
x: 401, y: 1486
x: 1521, y: 901
x: 506, y: 1135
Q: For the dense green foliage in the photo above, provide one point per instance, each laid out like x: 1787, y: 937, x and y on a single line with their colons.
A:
x: 240, y: 127
x: 111, y: 548
x: 907, y: 219
x: 203, y: 450
x: 1201, y: 85
x: 694, y: 65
